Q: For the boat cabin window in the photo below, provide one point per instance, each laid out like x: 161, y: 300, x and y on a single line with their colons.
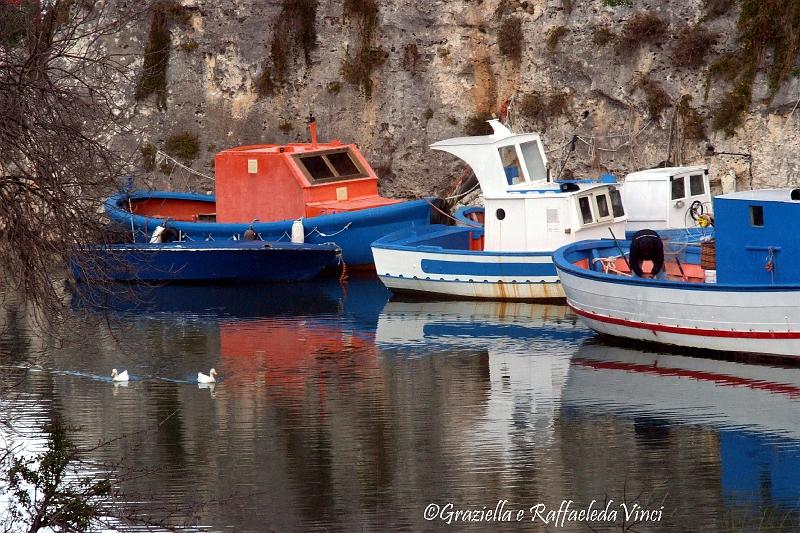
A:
x: 317, y: 167
x: 342, y: 164
x: 602, y: 206
x: 322, y: 167
x: 696, y: 185
x: 757, y: 216
x: 678, y: 188
x: 510, y: 161
x: 616, y: 203
x: 532, y: 156
x: 586, y: 210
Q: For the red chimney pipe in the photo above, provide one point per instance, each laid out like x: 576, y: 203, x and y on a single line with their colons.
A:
x: 312, y: 124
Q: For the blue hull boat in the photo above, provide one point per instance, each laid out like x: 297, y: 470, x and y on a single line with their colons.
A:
x: 240, y: 261
x: 352, y: 231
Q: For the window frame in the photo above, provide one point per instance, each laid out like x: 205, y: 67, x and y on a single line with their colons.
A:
x: 672, y: 181
x: 611, y: 193
x: 702, y: 184
x: 298, y: 158
x: 752, y: 212
x: 589, y: 202
x: 608, y: 216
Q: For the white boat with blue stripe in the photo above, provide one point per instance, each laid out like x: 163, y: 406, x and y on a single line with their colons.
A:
x: 527, y: 216
x: 740, y: 293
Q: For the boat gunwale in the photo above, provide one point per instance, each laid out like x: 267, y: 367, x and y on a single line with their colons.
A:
x: 562, y: 264
x: 114, y: 208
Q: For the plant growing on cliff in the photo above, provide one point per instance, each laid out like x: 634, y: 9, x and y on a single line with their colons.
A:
x: 694, y: 125
x: 769, y: 41
x: 542, y: 108
x: 410, y: 58
x: 477, y: 124
x: 656, y: 98
x: 644, y: 27
x: 510, y: 38
x: 357, y: 68
x: 731, y: 110
x: 601, y: 36
x: 694, y: 43
x: 553, y: 38
x: 294, y: 29
x: 183, y: 145
x: 716, y: 8
x: 153, y: 79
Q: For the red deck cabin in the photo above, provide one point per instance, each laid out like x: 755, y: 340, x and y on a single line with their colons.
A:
x: 279, y: 182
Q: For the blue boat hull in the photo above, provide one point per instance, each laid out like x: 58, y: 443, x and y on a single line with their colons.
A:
x: 352, y: 231
x: 240, y: 261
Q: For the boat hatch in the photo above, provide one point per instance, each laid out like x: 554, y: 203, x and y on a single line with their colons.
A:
x: 329, y: 166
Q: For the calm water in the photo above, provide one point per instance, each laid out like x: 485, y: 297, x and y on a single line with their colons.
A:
x: 338, y: 409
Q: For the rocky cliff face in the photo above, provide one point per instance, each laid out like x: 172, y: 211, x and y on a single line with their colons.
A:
x: 607, y: 82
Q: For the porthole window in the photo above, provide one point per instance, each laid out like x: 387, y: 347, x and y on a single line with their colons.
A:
x: 501, y: 214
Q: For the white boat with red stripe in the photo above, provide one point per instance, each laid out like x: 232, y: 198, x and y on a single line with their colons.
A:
x: 749, y: 303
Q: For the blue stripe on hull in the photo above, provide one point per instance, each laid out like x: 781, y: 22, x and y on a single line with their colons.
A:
x: 463, y: 268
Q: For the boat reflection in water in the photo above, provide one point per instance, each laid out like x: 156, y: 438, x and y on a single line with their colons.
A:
x: 339, y: 409
x: 528, y: 348
x: 752, y: 409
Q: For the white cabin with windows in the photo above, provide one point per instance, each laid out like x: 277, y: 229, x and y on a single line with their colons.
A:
x: 666, y: 198
x: 523, y: 211
x: 526, y: 217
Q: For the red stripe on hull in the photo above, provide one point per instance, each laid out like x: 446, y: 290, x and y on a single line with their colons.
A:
x: 688, y: 331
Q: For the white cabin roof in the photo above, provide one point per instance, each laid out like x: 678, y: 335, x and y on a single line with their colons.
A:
x: 501, y: 160
x: 764, y: 195
x: 663, y: 174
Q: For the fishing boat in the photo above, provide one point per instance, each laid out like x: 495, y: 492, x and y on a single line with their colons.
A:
x: 316, y: 192
x: 240, y: 261
x: 738, y: 293
x: 526, y: 218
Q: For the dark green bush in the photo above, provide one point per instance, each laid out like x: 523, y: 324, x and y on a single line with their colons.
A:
x: 183, y: 145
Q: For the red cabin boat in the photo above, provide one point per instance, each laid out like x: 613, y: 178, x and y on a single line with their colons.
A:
x: 330, y: 186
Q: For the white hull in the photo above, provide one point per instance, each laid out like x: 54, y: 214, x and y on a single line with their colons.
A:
x: 710, y: 317
x: 403, y: 271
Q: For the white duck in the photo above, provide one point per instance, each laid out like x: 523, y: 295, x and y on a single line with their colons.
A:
x: 121, y: 376
x: 211, y: 378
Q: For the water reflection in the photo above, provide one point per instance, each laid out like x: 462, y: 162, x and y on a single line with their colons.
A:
x: 337, y: 408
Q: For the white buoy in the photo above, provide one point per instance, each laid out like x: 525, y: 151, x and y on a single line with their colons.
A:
x: 155, y: 238
x: 298, y: 232
x: 210, y: 378
x: 122, y: 376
